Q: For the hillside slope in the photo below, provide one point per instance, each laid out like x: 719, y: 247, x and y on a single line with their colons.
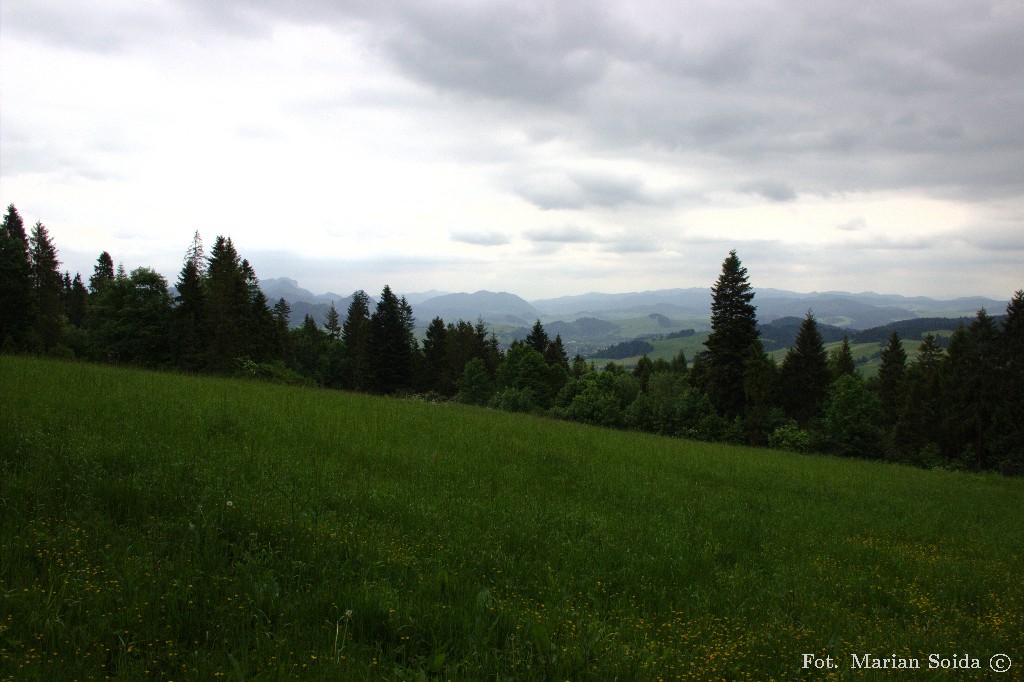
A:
x: 177, y: 527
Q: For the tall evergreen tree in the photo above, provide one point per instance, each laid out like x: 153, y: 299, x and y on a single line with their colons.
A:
x: 971, y: 388
x: 190, y: 324
x: 259, y: 319
x: 393, y: 346
x: 435, y: 374
x: 356, y: 334
x: 102, y: 273
x: 760, y: 388
x: 227, y: 307
x: 841, y: 362
x: 312, y: 357
x: 331, y: 324
x: 920, y: 419
x: 76, y: 301
x: 890, y: 379
x: 538, y: 339
x: 486, y: 346
x: 47, y: 287
x: 555, y: 353
x: 804, y: 376
x: 282, y: 314
x: 733, y: 332
x: 1008, y: 423
x: 15, y: 280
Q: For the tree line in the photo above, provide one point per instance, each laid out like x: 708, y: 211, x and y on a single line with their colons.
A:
x: 956, y: 407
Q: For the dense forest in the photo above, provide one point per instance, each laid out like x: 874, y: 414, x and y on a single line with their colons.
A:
x: 956, y: 407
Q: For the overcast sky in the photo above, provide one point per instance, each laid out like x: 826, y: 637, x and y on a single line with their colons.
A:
x: 534, y: 146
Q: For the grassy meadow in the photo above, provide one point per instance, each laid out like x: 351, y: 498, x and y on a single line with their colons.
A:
x: 156, y: 526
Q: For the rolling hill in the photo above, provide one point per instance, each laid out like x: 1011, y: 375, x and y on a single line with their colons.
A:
x: 176, y: 527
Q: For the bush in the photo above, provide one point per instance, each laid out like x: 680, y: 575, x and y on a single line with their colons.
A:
x: 790, y: 436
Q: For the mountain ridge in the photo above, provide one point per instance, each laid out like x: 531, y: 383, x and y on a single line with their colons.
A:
x: 682, y: 307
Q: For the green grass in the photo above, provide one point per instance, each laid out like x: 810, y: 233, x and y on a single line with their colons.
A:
x: 167, y: 527
x: 665, y: 349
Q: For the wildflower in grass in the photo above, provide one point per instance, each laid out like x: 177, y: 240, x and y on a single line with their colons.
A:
x: 230, y: 503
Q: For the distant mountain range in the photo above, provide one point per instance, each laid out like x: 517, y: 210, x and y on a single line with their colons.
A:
x: 597, y: 318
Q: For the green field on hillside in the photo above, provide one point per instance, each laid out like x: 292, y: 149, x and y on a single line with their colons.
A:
x: 165, y: 527
x: 665, y: 349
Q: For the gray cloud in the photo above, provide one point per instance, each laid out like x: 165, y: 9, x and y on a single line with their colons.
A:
x: 858, y: 96
x: 568, y: 234
x: 830, y: 99
x: 573, y: 190
x: 772, y: 190
x: 480, y: 238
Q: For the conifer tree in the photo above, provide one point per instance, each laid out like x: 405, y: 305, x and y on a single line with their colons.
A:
x: 331, y: 325
x: 311, y: 356
x: 760, y: 388
x: 355, y: 332
x: 971, y: 388
x: 890, y: 379
x: 76, y: 301
x: 486, y: 346
x: 227, y: 307
x: 733, y: 332
x: 435, y: 376
x: 841, y: 362
x: 538, y: 339
x: 15, y: 280
x: 393, y: 346
x: 282, y: 314
x: 1008, y: 421
x: 804, y: 376
x: 259, y: 320
x: 47, y: 285
x: 920, y: 419
x: 555, y: 353
x: 189, y: 322
x: 102, y: 274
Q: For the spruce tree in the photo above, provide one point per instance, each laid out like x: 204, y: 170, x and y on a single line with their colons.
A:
x: 920, y: 419
x: 760, y: 388
x: 555, y: 353
x: 538, y: 339
x: 331, y: 325
x: 102, y: 274
x: 47, y: 286
x: 971, y: 386
x: 841, y: 362
x: 804, y: 376
x: 393, y: 346
x: 355, y: 332
x: 282, y: 314
x: 435, y: 376
x: 311, y: 355
x: 733, y: 332
x: 190, y: 324
x: 76, y: 302
x: 890, y: 379
x: 261, y: 329
x: 15, y: 281
x: 1008, y: 421
x: 227, y: 307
